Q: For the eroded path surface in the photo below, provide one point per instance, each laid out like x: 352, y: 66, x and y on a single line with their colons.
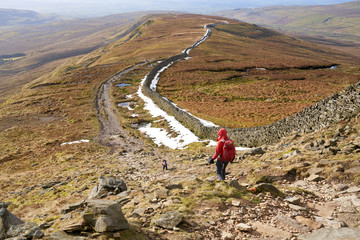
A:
x: 111, y: 133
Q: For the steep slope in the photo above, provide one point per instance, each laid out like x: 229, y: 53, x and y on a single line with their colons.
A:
x: 332, y: 25
x: 45, y: 166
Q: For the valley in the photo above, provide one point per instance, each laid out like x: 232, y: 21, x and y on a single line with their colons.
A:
x: 306, y: 182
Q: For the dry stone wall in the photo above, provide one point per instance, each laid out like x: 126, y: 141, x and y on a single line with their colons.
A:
x: 335, y: 108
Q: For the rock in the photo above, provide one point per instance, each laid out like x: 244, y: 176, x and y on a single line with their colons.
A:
x: 326, y: 210
x: 293, y: 200
x: 353, y: 170
x: 174, y: 186
x: 105, y: 216
x: 270, y: 231
x: 308, y: 222
x: 161, y: 193
x: 267, y: 187
x: 138, y: 212
x: 7, y: 220
x: 297, y: 208
x: 334, y: 150
x: 314, y: 178
x: 315, y: 171
x: 227, y: 236
x: 340, y: 187
x: 236, y: 184
x: 169, y: 220
x: 333, y: 234
x: 63, y: 236
x: 26, y: 230
x: 350, y: 219
x: 73, y: 207
x: 236, y: 203
x: 330, y: 143
x: 257, y: 151
x: 107, y: 185
x: 292, y: 223
x: 244, y: 227
x: 330, y: 223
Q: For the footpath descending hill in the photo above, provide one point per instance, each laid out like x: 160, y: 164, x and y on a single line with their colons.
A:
x: 55, y: 172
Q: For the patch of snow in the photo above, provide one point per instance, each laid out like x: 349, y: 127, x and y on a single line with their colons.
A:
x: 134, y: 115
x: 160, y: 136
x: 156, y: 78
x: 75, y: 142
x: 262, y: 69
x: 333, y: 67
x: 129, y: 96
x: 125, y: 105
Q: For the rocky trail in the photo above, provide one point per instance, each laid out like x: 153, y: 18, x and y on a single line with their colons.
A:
x: 111, y: 133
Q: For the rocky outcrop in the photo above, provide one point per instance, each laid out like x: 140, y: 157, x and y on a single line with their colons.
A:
x: 13, y: 227
x: 169, y: 220
x: 99, y: 215
x: 108, y: 186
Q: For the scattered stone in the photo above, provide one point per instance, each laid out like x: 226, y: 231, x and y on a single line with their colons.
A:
x: 315, y: 171
x: 161, y: 193
x: 308, y: 222
x: 107, y: 186
x: 267, y: 187
x: 292, y: 223
x: 73, y: 207
x: 270, y: 231
x: 236, y: 184
x: 169, y: 220
x: 326, y: 210
x: 26, y: 230
x: 297, y: 208
x: 61, y: 235
x: 105, y: 216
x: 174, y: 186
x: 236, y: 203
x: 227, y: 236
x: 330, y: 223
x: 314, y: 178
x: 257, y: 151
x: 333, y: 234
x: 244, y: 227
x: 293, y: 200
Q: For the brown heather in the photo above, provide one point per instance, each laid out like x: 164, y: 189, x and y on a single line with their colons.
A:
x: 245, y: 76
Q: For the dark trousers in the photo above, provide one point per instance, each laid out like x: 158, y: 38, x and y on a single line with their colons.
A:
x: 220, y: 169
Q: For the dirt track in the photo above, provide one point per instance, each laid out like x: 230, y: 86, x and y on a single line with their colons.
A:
x: 111, y: 133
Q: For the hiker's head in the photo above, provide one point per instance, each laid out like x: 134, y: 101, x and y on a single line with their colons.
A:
x: 222, y: 134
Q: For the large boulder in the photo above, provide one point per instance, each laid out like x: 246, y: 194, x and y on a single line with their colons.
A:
x: 169, y: 220
x: 13, y: 227
x: 105, y: 216
x: 108, y: 186
x: 333, y: 234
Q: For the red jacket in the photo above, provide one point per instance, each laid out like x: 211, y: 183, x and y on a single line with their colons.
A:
x: 222, y: 137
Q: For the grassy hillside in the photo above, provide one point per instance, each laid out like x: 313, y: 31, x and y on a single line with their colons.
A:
x: 334, y: 25
x: 43, y: 48
x: 245, y: 76
x: 13, y: 17
x: 40, y: 175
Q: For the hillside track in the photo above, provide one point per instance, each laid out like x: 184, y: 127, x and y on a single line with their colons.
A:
x: 111, y: 133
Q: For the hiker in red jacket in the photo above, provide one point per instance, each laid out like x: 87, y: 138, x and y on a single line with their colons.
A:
x: 223, y: 158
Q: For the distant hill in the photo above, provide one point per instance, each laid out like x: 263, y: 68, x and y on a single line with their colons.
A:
x: 335, y: 25
x: 13, y: 17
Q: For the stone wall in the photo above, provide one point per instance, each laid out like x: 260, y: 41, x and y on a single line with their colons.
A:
x: 338, y: 107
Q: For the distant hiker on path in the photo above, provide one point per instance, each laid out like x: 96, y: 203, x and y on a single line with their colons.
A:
x: 225, y: 153
x: 164, y: 165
